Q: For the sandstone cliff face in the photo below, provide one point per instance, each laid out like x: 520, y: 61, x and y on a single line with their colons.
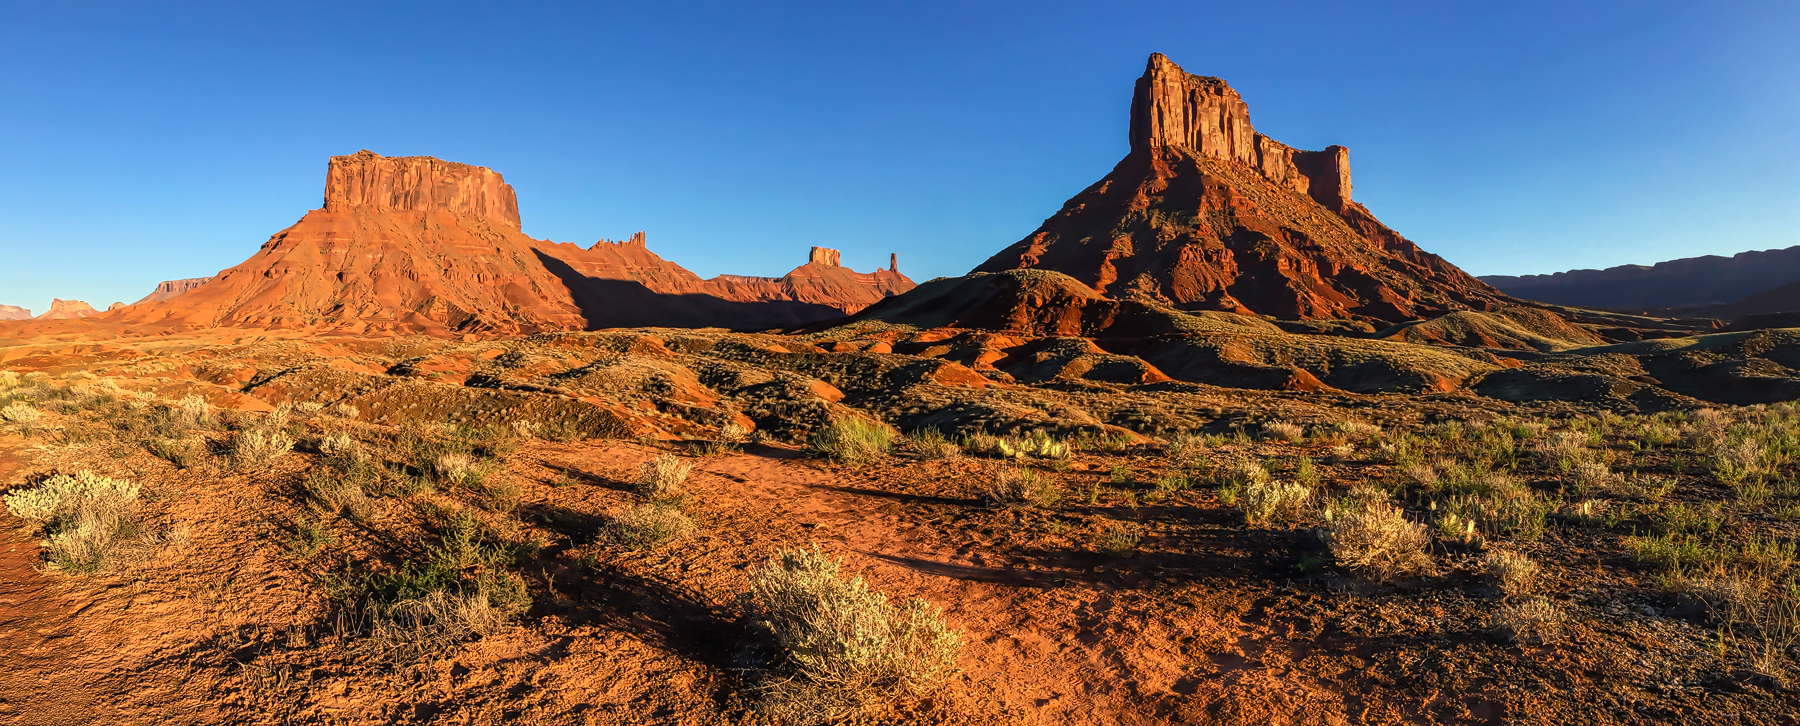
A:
x: 421, y: 245
x: 368, y: 180
x: 170, y: 288
x: 68, y: 309
x: 1206, y: 214
x: 14, y: 312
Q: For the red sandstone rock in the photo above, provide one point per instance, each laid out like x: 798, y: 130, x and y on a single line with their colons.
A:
x: 171, y: 288
x: 1206, y: 214
x: 14, y: 312
x: 416, y: 244
x: 67, y: 309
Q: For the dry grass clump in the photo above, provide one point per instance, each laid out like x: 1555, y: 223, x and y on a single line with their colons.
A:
x: 662, y: 479
x: 84, y: 517
x: 1118, y: 538
x: 330, y: 492
x: 457, y: 467
x: 1188, y: 450
x: 1023, y: 487
x: 1358, y: 430
x: 648, y: 526
x: 20, y: 413
x: 931, y: 443
x: 342, y: 447
x: 258, y: 448
x: 1283, y: 431
x: 1515, y: 573
x: 848, y: 648
x: 1587, y: 477
x: 414, y: 628
x: 1373, y: 538
x: 195, y: 411
x: 852, y: 440
x: 1273, y: 501
x: 1535, y: 621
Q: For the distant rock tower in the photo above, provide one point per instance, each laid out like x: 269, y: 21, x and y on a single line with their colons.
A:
x: 893, y: 262
x: 824, y: 257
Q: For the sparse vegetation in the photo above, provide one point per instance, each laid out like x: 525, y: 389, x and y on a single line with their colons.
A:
x: 1373, y: 538
x: 1270, y: 501
x: 853, y: 440
x: 648, y: 526
x: 84, y: 518
x: 1534, y: 620
x: 847, y: 647
x: 663, y: 479
x: 1514, y: 573
x: 1022, y: 487
x: 931, y: 443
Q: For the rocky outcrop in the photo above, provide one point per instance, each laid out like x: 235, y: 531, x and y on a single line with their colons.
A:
x: 416, y: 244
x: 14, y: 312
x: 824, y: 256
x: 367, y: 180
x: 1685, y: 283
x: 170, y: 288
x: 67, y: 309
x: 1205, y: 213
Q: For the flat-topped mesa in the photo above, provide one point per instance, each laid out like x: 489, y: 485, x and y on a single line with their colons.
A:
x: 369, y: 180
x: 1203, y: 114
x: 824, y: 256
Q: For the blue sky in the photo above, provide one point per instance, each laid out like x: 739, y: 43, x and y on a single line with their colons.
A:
x: 144, y: 142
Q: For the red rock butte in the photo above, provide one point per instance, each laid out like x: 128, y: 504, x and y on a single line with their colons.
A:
x: 417, y: 244
x: 1205, y: 213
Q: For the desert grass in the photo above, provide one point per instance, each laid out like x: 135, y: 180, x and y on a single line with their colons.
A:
x: 1022, y: 487
x: 332, y: 492
x: 256, y: 449
x: 1118, y: 538
x: 852, y: 440
x: 848, y: 648
x: 1271, y: 501
x: 20, y: 414
x: 930, y: 443
x: 1514, y: 573
x: 648, y: 526
x: 1283, y: 431
x: 663, y: 479
x: 1533, y: 620
x: 1374, y: 539
x: 85, y: 518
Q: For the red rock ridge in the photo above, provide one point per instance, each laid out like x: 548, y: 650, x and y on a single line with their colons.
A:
x: 170, y: 288
x: 14, y: 312
x: 1205, y: 213
x: 67, y: 309
x: 416, y: 244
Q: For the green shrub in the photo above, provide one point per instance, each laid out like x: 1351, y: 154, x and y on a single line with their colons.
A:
x: 1273, y: 501
x: 648, y: 526
x: 852, y: 440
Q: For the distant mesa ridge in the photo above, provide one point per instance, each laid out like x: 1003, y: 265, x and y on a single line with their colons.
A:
x: 418, y: 244
x: 1204, y: 213
x: 1690, y: 282
x: 14, y: 312
x: 67, y: 310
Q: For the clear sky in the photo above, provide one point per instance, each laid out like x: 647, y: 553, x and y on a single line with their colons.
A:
x: 151, y: 141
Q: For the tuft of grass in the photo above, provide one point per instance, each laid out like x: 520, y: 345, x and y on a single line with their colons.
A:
x: 663, y: 479
x: 180, y: 453
x: 1283, y: 431
x: 258, y: 448
x: 1023, y: 487
x: 309, y: 538
x: 1373, y: 538
x: 1515, y: 573
x: 85, y: 518
x: 1118, y: 538
x: 648, y: 526
x: 931, y: 443
x: 1534, y: 620
x: 332, y: 492
x: 195, y: 411
x: 848, y: 648
x: 20, y: 413
x: 1273, y: 501
x: 852, y: 440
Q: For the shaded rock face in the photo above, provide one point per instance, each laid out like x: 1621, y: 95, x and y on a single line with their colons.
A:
x: 14, y: 312
x: 1204, y: 213
x: 1684, y: 283
x: 368, y: 180
x: 170, y: 288
x: 416, y: 244
x: 66, y: 309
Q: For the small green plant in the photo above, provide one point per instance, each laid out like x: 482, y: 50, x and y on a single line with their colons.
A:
x: 648, y: 526
x: 1273, y: 501
x: 848, y: 648
x: 1305, y: 474
x: 1118, y: 538
x: 309, y: 538
x: 1753, y: 494
x: 333, y: 492
x: 1119, y: 475
x: 931, y: 443
x: 852, y: 440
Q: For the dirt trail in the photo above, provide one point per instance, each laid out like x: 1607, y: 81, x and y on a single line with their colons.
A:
x: 40, y: 646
